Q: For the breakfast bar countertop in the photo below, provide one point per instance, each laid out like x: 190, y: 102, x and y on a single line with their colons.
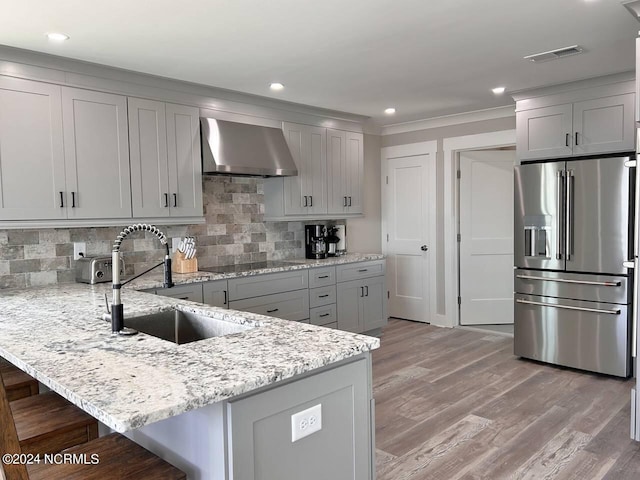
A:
x: 57, y: 335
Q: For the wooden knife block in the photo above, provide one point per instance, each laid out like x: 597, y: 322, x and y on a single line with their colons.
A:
x: 179, y: 264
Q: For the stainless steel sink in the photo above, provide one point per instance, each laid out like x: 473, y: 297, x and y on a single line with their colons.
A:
x: 183, y: 327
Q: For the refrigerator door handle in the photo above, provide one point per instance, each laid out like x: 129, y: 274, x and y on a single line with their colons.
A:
x: 634, y: 311
x: 569, y: 215
x: 559, y: 182
x: 569, y: 307
x: 564, y: 280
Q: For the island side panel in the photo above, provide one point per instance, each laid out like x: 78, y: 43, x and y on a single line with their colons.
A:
x: 260, y: 428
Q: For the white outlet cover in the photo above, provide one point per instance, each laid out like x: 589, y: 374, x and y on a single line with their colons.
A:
x: 306, y: 422
x: 78, y: 248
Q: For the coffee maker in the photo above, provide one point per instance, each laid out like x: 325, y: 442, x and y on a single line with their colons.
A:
x: 315, y: 241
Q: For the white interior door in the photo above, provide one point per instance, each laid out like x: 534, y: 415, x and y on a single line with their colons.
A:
x: 407, y: 204
x: 486, y: 237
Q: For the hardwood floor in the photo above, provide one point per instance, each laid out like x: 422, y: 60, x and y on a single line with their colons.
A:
x: 456, y: 404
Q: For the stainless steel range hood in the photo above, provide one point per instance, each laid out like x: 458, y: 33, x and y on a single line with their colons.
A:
x: 233, y: 148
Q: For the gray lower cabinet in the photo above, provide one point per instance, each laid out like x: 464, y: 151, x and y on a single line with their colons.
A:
x: 287, y: 305
x: 361, y: 304
x: 260, y: 427
x: 324, y: 316
x: 191, y: 292
x: 216, y: 293
x: 260, y: 285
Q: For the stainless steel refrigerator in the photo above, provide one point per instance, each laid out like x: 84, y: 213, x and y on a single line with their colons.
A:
x: 573, y: 237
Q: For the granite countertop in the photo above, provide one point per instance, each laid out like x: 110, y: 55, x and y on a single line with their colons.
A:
x: 154, y: 279
x: 56, y: 334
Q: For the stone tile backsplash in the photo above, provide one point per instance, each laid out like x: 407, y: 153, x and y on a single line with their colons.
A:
x: 234, y: 232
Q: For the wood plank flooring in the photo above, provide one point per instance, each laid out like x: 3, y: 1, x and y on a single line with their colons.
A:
x: 457, y: 404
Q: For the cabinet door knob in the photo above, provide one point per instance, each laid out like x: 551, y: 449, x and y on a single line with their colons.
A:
x: 424, y: 248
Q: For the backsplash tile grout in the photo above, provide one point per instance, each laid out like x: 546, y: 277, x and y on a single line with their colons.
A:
x: 234, y: 232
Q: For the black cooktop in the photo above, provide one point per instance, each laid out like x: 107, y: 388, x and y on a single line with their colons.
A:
x: 245, y: 267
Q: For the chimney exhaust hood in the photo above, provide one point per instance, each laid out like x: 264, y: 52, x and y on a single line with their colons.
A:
x: 231, y: 148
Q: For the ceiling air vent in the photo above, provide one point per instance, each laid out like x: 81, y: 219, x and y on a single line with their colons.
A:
x: 554, y: 54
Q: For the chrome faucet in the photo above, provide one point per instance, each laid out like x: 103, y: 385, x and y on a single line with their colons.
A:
x: 117, y: 309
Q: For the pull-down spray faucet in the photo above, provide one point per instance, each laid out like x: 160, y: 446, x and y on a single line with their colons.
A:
x: 117, y: 309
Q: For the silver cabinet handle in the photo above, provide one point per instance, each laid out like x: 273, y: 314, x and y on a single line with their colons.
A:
x: 73, y: 199
x: 559, y: 178
x: 311, y: 200
x: 568, y: 307
x: 362, y: 291
x: 305, y: 201
x: 569, y: 216
x: 344, y: 202
x: 367, y: 287
x: 349, y: 201
x: 564, y: 280
x: 566, y: 140
x: 61, y: 199
x: 166, y: 200
x: 175, y: 199
x: 424, y: 248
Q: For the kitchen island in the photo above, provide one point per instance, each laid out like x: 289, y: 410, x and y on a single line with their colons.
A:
x: 187, y: 403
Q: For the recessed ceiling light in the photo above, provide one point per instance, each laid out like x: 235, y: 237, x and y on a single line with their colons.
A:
x: 390, y: 111
x: 57, y: 37
x: 276, y: 86
x: 498, y: 90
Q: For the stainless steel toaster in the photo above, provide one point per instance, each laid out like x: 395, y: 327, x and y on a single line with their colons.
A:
x: 95, y: 269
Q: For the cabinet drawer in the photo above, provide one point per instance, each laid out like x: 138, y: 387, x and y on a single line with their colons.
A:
x: 354, y: 271
x: 322, y: 296
x: 258, y: 285
x: 191, y: 292
x: 321, y: 277
x: 288, y: 305
x: 323, y: 315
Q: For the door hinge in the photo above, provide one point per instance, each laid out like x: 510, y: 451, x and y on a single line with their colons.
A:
x: 459, y: 238
x: 458, y: 174
x: 459, y: 300
x: 388, y: 294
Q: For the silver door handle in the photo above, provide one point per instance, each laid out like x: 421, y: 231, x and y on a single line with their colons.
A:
x: 559, y: 191
x: 568, y: 307
x: 634, y: 309
x: 569, y: 216
x: 424, y: 248
x: 564, y: 280
x: 305, y: 201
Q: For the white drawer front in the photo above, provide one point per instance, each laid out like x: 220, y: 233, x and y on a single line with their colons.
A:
x: 321, y: 277
x: 323, y: 315
x: 289, y: 305
x: 258, y: 285
x: 322, y: 296
x: 354, y: 271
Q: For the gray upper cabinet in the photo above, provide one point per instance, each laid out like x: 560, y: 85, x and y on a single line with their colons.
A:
x: 306, y: 193
x: 544, y: 132
x: 166, y: 172
x: 96, y: 149
x: 330, y: 175
x: 604, y: 125
x: 184, y: 160
x: 600, y: 125
x: 32, y: 170
x: 345, y: 162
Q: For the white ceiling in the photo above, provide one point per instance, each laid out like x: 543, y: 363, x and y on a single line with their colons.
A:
x: 425, y: 57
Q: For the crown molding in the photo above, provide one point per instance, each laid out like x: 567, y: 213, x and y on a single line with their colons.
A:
x: 448, y: 120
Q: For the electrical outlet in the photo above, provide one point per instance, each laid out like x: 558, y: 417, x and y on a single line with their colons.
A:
x: 306, y: 422
x: 79, y: 250
x: 175, y: 243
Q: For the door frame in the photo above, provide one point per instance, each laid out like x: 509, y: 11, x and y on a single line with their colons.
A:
x: 411, y: 150
x: 452, y: 147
